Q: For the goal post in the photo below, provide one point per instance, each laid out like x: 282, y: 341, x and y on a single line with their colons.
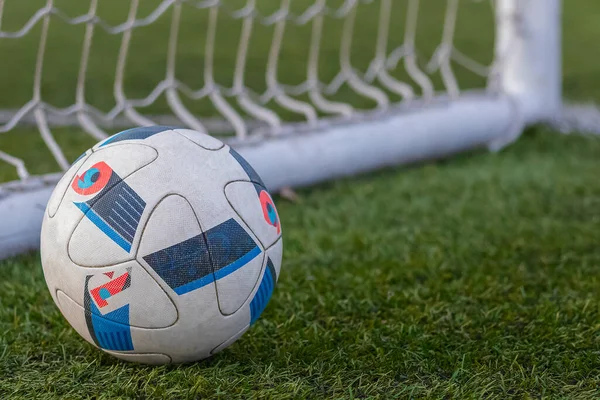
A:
x: 294, y: 134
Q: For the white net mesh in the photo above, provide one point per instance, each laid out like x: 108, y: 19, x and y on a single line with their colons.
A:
x: 244, y: 70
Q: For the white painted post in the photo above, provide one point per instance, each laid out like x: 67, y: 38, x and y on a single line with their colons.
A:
x: 528, y: 53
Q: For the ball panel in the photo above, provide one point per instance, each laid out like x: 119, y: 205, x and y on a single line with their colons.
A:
x: 275, y: 253
x: 186, y: 169
x: 255, y: 207
x: 230, y: 341
x: 263, y: 294
x: 144, y: 358
x: 59, y: 270
x: 175, y: 251
x: 265, y: 289
x: 129, y: 285
x: 248, y: 169
x: 124, y: 159
x: 123, y: 294
x: 135, y: 134
x: 74, y: 314
x: 111, y: 220
x: 172, y: 221
x: 63, y: 185
x: 112, y: 333
x: 95, y: 244
x: 108, y: 209
x: 174, y: 248
x: 201, y: 139
x: 234, y: 289
x: 179, y: 343
x: 237, y: 260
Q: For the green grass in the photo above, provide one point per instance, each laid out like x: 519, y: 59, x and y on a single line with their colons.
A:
x: 473, y: 278
x: 476, y: 277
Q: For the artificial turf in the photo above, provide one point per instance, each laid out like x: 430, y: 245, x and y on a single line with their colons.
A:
x: 477, y: 277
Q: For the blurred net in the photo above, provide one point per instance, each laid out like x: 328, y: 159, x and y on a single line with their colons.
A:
x: 243, y: 70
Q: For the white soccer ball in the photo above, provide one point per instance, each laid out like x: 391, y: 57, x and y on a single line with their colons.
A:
x: 161, y: 245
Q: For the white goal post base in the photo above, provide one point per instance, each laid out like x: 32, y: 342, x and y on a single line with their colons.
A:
x: 301, y: 159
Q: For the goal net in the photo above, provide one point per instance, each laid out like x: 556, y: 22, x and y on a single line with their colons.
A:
x: 306, y: 90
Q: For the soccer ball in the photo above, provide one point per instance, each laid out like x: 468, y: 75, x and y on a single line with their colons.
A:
x: 161, y: 245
